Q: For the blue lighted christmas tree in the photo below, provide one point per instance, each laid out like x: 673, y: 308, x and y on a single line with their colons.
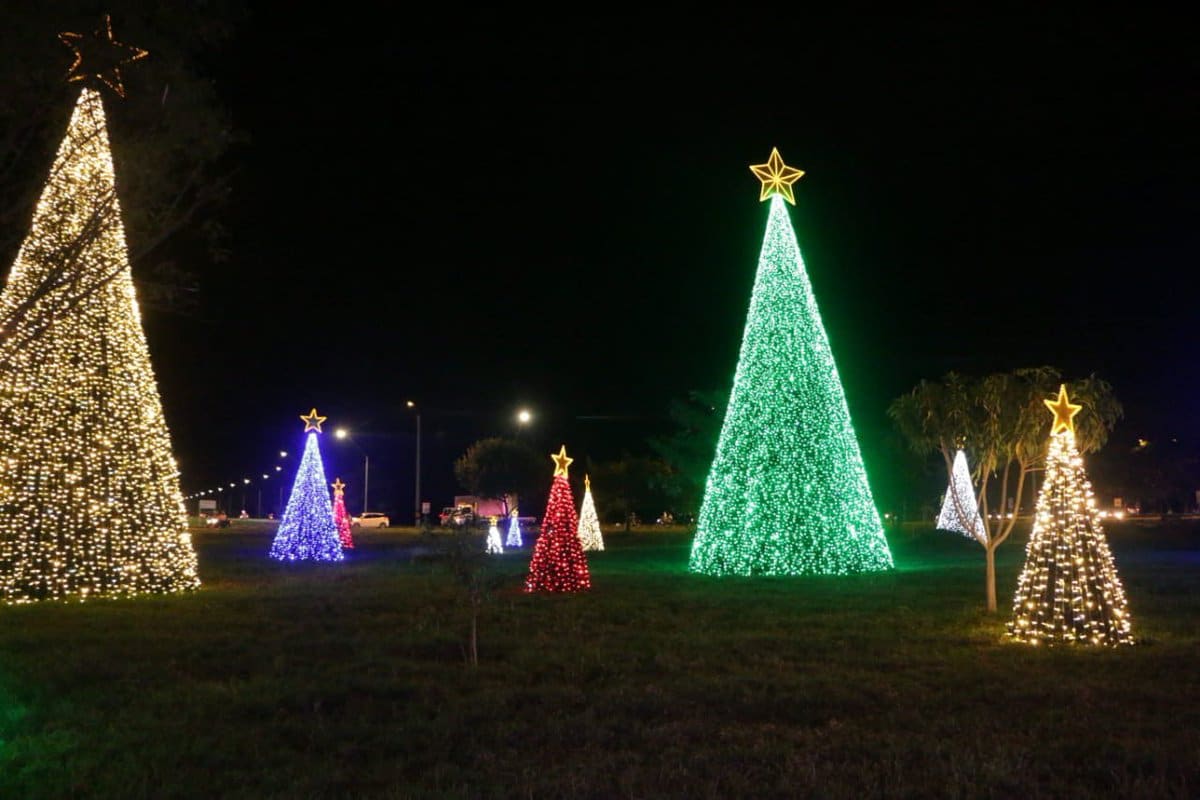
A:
x: 307, y: 531
x: 787, y: 493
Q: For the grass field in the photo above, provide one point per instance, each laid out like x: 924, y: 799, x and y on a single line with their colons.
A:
x: 350, y: 681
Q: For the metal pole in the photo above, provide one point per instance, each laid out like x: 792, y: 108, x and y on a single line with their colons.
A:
x: 366, y: 477
x: 259, y: 502
x: 417, y: 491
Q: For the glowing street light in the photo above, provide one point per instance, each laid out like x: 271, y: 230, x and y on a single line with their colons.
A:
x: 342, y: 433
x: 524, y: 416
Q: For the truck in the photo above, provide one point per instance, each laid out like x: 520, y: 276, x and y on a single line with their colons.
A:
x: 469, y: 509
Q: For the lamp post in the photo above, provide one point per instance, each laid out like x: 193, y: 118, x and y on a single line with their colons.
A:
x: 279, y: 468
x: 342, y: 433
x: 417, y: 471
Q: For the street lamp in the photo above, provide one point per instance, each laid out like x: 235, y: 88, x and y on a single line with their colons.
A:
x: 523, y: 417
x: 342, y: 433
x: 417, y: 479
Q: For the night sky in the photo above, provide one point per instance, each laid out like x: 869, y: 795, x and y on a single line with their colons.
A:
x: 491, y: 211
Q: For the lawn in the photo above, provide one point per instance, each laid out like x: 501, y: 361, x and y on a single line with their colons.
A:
x: 350, y: 681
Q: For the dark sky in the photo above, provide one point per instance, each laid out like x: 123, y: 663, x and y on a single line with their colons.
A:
x: 489, y: 210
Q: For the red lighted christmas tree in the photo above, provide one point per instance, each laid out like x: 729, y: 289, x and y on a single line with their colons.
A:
x: 558, y: 563
x: 340, y: 518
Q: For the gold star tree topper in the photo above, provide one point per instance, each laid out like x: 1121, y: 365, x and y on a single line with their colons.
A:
x: 99, y: 55
x: 561, y: 461
x: 777, y: 177
x: 1064, y: 411
x: 312, y: 421
x: 338, y: 487
x: 587, y: 482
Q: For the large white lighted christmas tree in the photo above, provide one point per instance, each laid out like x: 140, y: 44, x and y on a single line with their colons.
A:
x: 787, y: 493
x: 960, y: 511
x: 1068, y: 591
x: 90, y: 503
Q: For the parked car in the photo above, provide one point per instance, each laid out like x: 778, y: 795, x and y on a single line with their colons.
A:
x: 370, y: 519
x: 456, y: 515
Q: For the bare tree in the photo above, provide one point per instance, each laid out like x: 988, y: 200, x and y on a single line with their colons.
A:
x: 1002, y: 423
x: 169, y: 142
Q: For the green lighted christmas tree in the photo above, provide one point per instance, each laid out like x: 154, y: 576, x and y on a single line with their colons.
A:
x: 787, y: 493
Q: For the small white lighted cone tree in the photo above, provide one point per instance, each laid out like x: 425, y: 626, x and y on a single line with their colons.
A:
x: 960, y: 510
x: 493, y: 537
x: 514, y: 530
x: 590, y: 535
x: 1068, y: 591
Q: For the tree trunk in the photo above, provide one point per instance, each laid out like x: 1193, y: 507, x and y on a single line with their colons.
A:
x: 474, y: 638
x: 991, y: 579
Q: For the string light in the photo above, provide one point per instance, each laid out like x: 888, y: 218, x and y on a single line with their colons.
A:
x: 90, y: 503
x: 341, y: 519
x: 493, y: 537
x: 514, y: 531
x: 590, y: 536
x: 787, y: 493
x: 306, y: 532
x: 960, y: 512
x: 558, y: 563
x: 1068, y: 591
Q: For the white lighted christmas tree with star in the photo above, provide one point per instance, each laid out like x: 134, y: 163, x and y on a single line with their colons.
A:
x: 493, y: 544
x: 514, y: 530
x: 590, y: 535
x: 90, y: 503
x: 1068, y: 591
x: 787, y: 493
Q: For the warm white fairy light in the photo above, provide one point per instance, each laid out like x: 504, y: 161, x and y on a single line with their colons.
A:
x: 90, y: 503
x: 1068, y: 591
x: 959, y: 510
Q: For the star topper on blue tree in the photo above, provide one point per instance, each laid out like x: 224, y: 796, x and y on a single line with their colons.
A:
x: 307, y: 531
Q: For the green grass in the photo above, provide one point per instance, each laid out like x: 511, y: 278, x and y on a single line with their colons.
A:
x: 350, y: 681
